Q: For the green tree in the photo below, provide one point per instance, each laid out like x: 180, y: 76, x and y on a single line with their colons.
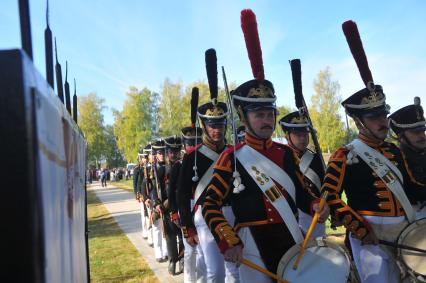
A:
x: 170, y: 114
x: 282, y: 111
x: 324, y: 111
x: 91, y: 122
x: 133, y: 126
x: 114, y: 158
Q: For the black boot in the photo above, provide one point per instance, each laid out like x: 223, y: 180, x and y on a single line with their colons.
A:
x: 172, y: 268
x: 181, y: 265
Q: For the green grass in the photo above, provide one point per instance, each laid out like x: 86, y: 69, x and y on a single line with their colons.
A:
x: 123, y: 184
x: 113, y: 258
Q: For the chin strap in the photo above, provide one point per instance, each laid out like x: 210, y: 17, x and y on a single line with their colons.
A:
x: 367, y: 129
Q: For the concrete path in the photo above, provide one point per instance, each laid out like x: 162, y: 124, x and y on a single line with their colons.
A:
x: 126, y: 211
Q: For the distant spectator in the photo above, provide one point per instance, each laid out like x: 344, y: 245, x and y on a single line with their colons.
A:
x: 104, y: 175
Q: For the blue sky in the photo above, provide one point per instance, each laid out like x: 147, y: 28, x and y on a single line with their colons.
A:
x: 113, y: 44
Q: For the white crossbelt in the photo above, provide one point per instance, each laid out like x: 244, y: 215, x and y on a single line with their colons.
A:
x: 386, y: 171
x: 208, y: 175
x: 304, y: 164
x: 256, y: 166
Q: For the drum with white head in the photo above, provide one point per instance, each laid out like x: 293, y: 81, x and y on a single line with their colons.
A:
x: 323, y: 261
x: 414, y: 235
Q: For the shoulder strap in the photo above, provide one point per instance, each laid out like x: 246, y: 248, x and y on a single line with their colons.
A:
x: 209, y: 153
x: 208, y: 175
x: 386, y: 171
x: 248, y: 155
x: 305, y: 161
x: 262, y: 171
x: 307, y: 171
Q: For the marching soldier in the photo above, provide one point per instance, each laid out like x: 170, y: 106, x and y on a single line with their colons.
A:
x: 189, y: 139
x: 258, y: 177
x: 138, y: 175
x: 196, y: 172
x: 146, y: 191
x: 409, y: 124
x: 158, y: 182
x: 296, y: 130
x: 374, y: 175
x: 172, y: 231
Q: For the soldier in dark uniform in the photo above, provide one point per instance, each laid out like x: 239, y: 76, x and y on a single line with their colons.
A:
x: 172, y: 231
x: 138, y: 175
x: 296, y: 130
x: 159, y: 194
x: 191, y: 137
x: 409, y: 124
x: 263, y: 230
x: 195, y: 173
x: 374, y: 175
x: 146, y: 191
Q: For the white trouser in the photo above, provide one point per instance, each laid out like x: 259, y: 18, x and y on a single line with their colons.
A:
x: 194, y: 269
x: 144, y: 221
x: 160, y: 246
x: 232, y: 273
x: 214, y: 260
x: 304, y: 223
x: 376, y: 264
x: 149, y: 226
x: 420, y: 211
x: 251, y: 252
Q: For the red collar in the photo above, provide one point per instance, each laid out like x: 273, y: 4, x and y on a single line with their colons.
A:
x: 370, y: 141
x: 258, y: 144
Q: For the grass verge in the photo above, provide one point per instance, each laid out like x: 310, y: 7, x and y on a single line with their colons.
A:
x: 113, y: 258
x: 124, y: 184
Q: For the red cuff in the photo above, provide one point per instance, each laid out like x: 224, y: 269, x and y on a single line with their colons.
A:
x: 223, y: 246
x: 367, y: 225
x: 174, y: 216
x: 192, y: 232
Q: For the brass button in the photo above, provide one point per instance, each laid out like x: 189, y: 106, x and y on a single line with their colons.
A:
x: 271, y: 220
x: 269, y: 209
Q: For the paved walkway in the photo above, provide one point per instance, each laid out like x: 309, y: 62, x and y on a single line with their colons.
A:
x: 126, y: 211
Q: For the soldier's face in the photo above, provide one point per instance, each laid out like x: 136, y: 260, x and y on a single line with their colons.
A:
x: 378, y: 126
x: 151, y: 158
x: 160, y: 156
x: 261, y: 122
x: 416, y: 138
x: 172, y: 155
x: 299, y: 139
x: 216, y: 132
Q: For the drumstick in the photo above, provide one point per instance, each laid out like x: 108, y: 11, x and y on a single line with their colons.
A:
x: 263, y: 270
x: 311, y: 229
x: 400, y: 246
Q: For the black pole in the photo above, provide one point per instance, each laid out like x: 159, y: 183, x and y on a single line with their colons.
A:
x: 24, y: 19
x: 59, y: 76
x: 67, y: 89
x: 48, y: 50
x: 74, y: 103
